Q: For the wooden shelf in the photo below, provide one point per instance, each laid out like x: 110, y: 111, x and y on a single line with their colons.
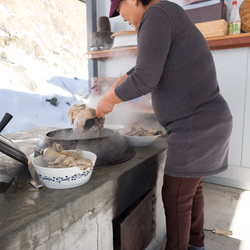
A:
x: 215, y: 43
x: 229, y: 42
x: 105, y: 54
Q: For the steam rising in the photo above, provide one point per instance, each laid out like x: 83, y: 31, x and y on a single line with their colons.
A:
x: 133, y: 113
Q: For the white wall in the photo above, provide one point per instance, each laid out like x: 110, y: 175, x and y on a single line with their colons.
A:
x: 246, y: 138
x: 233, y: 71
x: 232, y: 81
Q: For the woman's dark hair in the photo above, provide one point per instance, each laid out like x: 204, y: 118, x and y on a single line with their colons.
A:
x: 145, y: 2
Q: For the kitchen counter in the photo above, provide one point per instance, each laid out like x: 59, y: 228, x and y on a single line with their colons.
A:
x: 66, y: 219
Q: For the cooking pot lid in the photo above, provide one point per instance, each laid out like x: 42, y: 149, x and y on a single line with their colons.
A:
x: 9, y: 148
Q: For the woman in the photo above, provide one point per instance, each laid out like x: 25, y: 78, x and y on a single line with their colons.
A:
x: 175, y: 64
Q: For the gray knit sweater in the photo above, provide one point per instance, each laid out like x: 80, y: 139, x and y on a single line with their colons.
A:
x: 175, y: 64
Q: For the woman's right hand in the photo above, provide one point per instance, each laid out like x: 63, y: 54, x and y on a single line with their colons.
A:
x: 104, y: 106
x: 107, y: 102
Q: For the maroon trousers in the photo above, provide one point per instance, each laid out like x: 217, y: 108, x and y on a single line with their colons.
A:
x: 184, y: 209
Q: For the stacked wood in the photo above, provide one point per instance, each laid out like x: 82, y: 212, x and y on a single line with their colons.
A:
x: 213, y: 28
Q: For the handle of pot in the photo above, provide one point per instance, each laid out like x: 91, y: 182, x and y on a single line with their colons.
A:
x: 7, y: 117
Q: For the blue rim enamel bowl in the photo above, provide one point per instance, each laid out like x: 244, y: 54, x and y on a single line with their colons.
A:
x: 63, y: 178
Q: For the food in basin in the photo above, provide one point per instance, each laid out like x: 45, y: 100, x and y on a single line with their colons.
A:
x: 65, y: 177
x: 140, y: 137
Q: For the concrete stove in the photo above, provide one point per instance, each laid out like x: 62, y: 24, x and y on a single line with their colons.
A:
x: 79, y: 218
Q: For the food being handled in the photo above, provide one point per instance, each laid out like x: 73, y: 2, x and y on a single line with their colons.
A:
x: 84, y: 118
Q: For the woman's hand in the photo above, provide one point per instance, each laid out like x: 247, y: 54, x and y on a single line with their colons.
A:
x: 104, y: 106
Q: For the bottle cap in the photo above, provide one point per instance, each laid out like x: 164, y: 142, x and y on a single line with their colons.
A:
x: 234, y: 2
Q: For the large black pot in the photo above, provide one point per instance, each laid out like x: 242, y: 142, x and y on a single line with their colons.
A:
x: 110, y: 146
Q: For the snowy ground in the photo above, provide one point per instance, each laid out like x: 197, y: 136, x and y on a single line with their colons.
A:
x: 30, y: 109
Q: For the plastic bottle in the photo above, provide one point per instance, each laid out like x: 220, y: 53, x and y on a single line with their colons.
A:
x: 234, y: 20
